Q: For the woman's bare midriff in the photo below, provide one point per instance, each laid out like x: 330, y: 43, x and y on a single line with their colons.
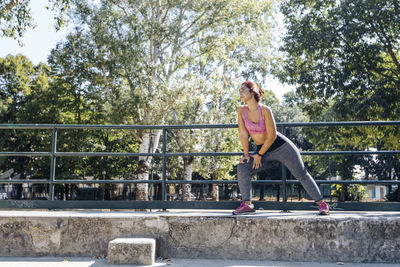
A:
x: 259, y: 139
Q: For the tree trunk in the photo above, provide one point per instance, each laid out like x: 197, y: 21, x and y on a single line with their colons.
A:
x: 148, y: 145
x: 215, y: 189
x: 299, y: 190
x: 278, y: 193
x: 343, y: 193
x: 187, y: 176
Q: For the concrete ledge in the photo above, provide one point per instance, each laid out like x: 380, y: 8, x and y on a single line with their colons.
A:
x: 267, y: 235
x: 125, y: 250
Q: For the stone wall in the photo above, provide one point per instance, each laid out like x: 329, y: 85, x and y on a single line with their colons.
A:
x: 271, y: 236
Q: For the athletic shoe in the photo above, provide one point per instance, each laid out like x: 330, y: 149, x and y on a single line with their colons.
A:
x: 243, y: 209
x: 323, y: 208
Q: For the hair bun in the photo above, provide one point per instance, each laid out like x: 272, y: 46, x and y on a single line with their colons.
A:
x: 261, y: 91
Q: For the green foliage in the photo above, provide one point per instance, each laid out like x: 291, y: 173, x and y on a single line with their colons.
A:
x: 78, y: 84
x: 353, y: 192
x: 344, y: 54
x: 39, y: 94
x: 24, y: 95
x: 394, y: 196
x: 144, y: 62
x: 16, y: 18
x: 180, y: 62
x: 343, y: 57
x: 169, y: 62
x: 155, y: 53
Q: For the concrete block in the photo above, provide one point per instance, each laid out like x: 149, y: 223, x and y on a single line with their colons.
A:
x: 127, y: 250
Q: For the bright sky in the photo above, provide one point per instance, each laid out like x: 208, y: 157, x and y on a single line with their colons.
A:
x: 38, y: 43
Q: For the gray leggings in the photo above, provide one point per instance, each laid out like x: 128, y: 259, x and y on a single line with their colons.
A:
x: 289, y: 155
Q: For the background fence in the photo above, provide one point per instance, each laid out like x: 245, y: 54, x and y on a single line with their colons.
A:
x: 51, y: 203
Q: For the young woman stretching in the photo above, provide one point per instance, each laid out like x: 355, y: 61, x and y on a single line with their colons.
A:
x: 258, y: 122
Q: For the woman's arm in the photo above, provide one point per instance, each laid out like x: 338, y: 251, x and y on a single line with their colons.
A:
x: 243, y: 134
x: 271, y: 129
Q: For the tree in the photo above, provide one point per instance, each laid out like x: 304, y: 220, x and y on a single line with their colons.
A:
x: 345, y: 51
x: 188, y: 111
x: 16, y: 18
x: 220, y: 110
x: 82, y: 92
x: 147, y: 48
x: 25, y: 98
x: 343, y: 57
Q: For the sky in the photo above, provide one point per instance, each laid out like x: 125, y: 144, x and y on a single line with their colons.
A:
x: 39, y: 41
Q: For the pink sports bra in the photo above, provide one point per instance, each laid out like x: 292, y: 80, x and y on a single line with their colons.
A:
x: 254, y: 128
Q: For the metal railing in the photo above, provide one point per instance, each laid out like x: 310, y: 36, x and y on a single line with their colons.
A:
x: 164, y: 204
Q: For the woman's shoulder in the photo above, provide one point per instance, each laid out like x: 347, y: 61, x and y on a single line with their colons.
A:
x: 266, y: 108
x: 240, y: 109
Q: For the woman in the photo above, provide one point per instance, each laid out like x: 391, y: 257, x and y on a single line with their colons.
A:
x: 258, y: 122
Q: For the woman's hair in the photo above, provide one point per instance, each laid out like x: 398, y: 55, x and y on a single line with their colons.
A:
x: 253, y: 88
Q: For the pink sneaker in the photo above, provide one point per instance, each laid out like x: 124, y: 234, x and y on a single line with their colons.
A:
x: 243, y: 209
x: 323, y: 208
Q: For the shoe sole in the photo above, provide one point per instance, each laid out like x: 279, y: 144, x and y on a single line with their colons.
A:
x: 245, y: 212
x: 323, y: 213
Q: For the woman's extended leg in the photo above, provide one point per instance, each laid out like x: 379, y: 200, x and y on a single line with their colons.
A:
x: 290, y: 156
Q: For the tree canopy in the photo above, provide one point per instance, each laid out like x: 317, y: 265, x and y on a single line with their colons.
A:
x: 16, y: 17
x: 344, y: 54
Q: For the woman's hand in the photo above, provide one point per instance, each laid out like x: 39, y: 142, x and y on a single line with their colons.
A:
x: 244, y: 158
x: 256, y: 161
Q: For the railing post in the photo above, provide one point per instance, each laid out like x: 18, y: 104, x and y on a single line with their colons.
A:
x: 284, y: 192
x: 53, y: 162
x: 164, y: 166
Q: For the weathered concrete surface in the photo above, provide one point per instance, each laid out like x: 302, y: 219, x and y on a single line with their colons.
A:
x: 296, y: 236
x: 127, y: 250
x: 95, y: 262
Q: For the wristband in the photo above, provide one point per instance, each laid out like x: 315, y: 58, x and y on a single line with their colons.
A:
x: 259, y: 154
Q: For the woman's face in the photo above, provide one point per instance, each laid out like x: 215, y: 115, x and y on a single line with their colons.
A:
x: 245, y: 94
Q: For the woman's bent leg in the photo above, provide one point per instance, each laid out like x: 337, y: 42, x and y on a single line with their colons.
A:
x: 244, y: 173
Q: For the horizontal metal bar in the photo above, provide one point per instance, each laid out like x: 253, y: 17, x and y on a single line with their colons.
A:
x: 183, y: 154
x: 105, y: 154
x: 77, y: 126
x: 385, y: 152
x: 110, y: 127
x: 107, y: 181
x: 338, y: 123
x: 186, y: 154
x: 23, y: 181
x: 382, y: 152
x: 387, y: 182
x: 25, y: 154
x: 43, y: 181
x: 201, y: 181
x: 193, y: 126
x: 215, y: 205
x: 201, y: 126
x: 278, y: 181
